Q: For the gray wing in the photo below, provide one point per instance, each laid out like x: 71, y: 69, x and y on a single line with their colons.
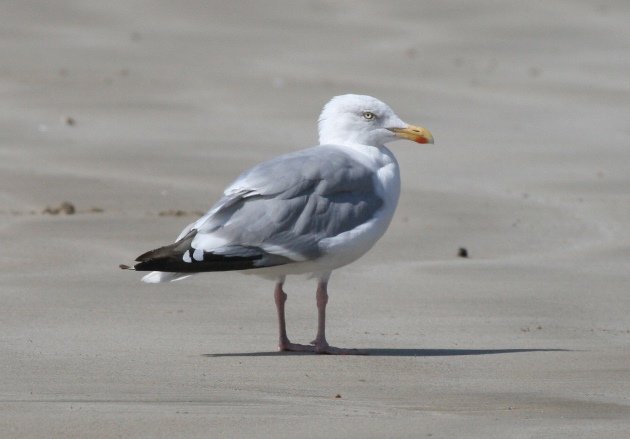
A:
x: 287, y: 205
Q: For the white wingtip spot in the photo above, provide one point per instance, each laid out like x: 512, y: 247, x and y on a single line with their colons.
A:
x: 198, y: 255
x: 186, y: 257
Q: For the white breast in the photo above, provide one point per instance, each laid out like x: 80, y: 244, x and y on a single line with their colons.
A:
x: 347, y: 247
x: 351, y: 245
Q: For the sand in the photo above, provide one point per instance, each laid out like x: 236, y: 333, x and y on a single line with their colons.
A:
x: 140, y: 113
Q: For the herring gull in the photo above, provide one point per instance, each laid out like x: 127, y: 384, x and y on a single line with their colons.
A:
x: 307, y: 212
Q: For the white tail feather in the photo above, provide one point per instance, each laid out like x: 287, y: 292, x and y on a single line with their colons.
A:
x: 156, y: 277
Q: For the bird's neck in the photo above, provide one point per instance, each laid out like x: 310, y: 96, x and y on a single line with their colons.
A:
x: 375, y: 153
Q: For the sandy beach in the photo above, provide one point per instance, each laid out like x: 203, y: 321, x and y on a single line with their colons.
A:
x: 140, y: 113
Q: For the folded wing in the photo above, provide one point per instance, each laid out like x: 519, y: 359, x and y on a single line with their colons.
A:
x: 276, y: 213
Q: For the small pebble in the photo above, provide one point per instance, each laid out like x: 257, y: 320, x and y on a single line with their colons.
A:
x: 65, y: 207
x: 462, y: 252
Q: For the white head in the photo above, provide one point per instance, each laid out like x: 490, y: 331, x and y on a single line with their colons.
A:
x: 357, y: 119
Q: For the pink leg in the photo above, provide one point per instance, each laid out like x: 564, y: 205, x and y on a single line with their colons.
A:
x: 284, y: 344
x: 321, y: 345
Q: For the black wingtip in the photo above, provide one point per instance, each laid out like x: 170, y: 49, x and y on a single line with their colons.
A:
x: 125, y: 267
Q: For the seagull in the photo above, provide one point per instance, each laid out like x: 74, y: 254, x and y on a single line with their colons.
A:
x: 307, y: 212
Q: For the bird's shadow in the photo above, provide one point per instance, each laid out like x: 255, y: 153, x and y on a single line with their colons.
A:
x: 378, y: 352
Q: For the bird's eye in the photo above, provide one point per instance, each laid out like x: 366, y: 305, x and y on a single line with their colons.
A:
x: 368, y: 115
